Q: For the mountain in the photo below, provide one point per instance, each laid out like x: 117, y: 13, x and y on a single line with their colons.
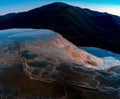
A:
x: 82, y: 27
x: 105, y: 19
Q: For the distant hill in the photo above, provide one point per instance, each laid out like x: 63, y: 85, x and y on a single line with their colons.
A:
x: 83, y: 27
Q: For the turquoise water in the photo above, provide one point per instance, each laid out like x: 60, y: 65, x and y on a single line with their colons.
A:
x: 7, y: 37
x: 101, y: 52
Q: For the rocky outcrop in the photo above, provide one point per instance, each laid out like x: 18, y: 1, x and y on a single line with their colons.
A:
x: 41, y: 56
x: 61, y: 50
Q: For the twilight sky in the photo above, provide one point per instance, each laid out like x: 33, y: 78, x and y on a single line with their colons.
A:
x: 110, y: 6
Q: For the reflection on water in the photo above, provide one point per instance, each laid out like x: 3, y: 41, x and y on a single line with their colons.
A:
x: 68, y: 81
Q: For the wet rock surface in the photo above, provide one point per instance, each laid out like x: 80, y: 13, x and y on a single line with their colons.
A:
x: 44, y: 66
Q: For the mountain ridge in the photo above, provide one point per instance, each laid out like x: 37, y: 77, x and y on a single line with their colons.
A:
x: 72, y: 22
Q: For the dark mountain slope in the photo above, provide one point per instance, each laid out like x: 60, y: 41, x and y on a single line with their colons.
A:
x: 105, y: 20
x: 74, y: 23
x: 99, y: 14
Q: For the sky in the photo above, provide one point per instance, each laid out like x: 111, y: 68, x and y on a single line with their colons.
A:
x: 10, y: 6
